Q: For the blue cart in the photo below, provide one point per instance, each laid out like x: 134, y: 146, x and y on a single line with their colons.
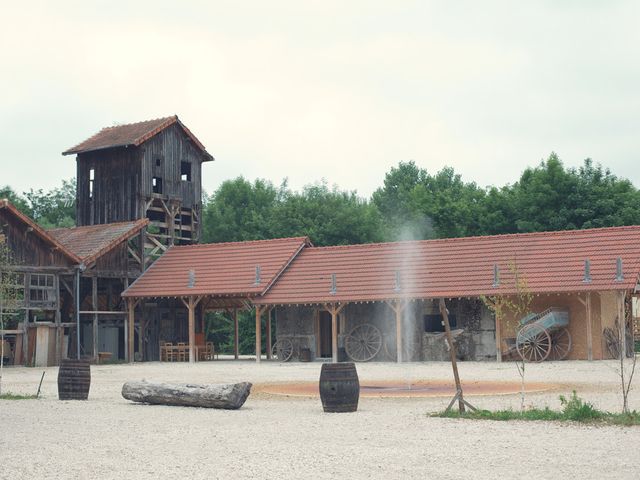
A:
x: 544, y: 336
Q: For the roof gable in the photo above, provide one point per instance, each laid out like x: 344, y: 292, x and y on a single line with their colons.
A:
x: 218, y: 269
x: 550, y: 262
x: 38, y: 230
x: 133, y: 134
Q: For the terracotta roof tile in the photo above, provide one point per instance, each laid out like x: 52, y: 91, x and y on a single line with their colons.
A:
x: 219, y: 269
x: 91, y: 242
x: 550, y: 262
x: 133, y: 134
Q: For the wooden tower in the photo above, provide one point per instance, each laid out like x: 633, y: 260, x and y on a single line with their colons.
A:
x: 149, y: 169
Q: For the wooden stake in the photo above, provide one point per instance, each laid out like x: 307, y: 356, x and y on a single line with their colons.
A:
x: 130, y: 329
x: 94, y: 327
x: 622, y: 324
x: 269, y: 334
x: 192, y: 330
x: 398, y: 310
x: 334, y: 335
x: 498, y: 339
x: 454, y: 364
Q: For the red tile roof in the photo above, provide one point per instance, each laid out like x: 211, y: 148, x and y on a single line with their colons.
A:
x: 91, y: 242
x: 217, y: 269
x: 462, y: 267
x: 38, y: 230
x: 133, y: 134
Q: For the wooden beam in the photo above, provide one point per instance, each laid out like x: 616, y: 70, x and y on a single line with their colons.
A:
x: 399, y: 333
x: 587, y: 304
x: 269, y: 334
x: 191, y: 305
x: 258, y: 333
x: 498, y: 338
x: 622, y: 324
x: 334, y: 335
x: 452, y: 351
x: 129, y: 331
x: 94, y: 304
x: 236, y: 336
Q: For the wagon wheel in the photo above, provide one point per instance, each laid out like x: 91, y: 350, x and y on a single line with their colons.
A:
x: 560, y: 344
x: 282, y: 350
x: 363, y: 343
x: 533, y: 343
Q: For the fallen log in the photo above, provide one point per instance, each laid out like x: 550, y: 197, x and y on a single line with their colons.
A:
x: 227, y: 396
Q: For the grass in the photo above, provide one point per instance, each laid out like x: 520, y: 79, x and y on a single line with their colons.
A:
x: 574, y: 409
x: 16, y: 396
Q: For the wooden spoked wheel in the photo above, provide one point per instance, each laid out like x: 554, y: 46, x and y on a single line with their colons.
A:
x: 533, y: 343
x: 363, y: 343
x: 560, y: 344
x: 282, y: 350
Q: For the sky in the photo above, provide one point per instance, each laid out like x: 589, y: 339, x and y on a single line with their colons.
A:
x: 336, y: 90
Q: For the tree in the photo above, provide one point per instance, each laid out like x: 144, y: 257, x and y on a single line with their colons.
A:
x: 55, y: 208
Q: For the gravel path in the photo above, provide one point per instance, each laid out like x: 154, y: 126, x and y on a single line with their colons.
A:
x: 290, y: 437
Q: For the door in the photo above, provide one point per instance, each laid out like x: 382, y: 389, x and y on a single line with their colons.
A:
x: 325, y: 334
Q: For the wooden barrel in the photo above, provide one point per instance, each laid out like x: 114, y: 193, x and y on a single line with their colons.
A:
x: 339, y: 387
x: 74, y: 380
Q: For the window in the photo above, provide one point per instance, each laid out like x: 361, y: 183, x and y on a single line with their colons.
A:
x: 92, y: 174
x: 156, y: 183
x: 158, y: 162
x: 41, y: 290
x: 434, y: 323
x: 185, y: 171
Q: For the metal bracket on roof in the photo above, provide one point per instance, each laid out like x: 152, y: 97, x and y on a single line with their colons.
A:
x: 258, y: 271
x: 192, y: 278
x: 496, y: 275
x: 398, y: 286
x: 619, y: 271
x: 587, y: 271
x: 334, y: 284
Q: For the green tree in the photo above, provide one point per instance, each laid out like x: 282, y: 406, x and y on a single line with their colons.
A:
x: 56, y: 207
x: 18, y: 201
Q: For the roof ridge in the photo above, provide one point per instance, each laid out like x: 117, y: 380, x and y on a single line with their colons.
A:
x: 545, y: 233
x: 75, y: 227
x: 264, y: 240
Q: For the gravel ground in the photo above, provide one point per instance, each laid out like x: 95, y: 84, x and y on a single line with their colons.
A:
x: 275, y: 436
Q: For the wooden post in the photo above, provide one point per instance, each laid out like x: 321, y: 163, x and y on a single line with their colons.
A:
x: 125, y: 323
x: 334, y: 335
x: 236, y: 338
x: 94, y: 304
x: 192, y: 329
x: 130, y: 329
x: 623, y: 324
x: 589, y: 328
x: 454, y: 364
x: 258, y: 333
x: 269, y: 334
x: 141, y: 327
x: 498, y: 339
x: 398, y: 308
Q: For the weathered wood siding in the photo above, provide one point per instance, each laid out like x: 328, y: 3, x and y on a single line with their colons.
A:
x: 171, y: 147
x: 116, y: 186
x: 26, y: 246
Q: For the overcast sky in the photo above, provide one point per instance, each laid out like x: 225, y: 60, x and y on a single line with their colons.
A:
x: 341, y: 90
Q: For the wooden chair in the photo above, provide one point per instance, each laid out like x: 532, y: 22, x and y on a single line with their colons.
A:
x: 211, y: 351
x: 183, y: 352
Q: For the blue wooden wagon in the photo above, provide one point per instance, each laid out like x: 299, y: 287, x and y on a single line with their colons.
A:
x: 544, y: 336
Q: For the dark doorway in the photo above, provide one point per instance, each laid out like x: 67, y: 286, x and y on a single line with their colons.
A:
x: 325, y: 335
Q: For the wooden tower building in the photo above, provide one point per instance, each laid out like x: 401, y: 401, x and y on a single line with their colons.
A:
x: 148, y: 169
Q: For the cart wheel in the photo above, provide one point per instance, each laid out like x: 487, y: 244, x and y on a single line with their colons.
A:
x: 560, y: 344
x: 282, y: 350
x: 533, y: 343
x: 363, y: 343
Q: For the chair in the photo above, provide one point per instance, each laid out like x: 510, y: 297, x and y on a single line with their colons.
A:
x: 211, y: 352
x: 183, y: 352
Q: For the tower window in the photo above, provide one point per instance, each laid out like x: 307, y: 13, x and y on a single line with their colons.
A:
x: 185, y: 171
x: 92, y: 174
x: 158, y: 162
x: 156, y: 183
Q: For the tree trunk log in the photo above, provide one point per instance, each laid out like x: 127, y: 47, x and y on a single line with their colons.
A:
x: 228, y: 396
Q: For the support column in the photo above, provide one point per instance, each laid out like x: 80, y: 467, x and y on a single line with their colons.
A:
x: 334, y: 335
x: 498, y: 339
x: 236, y: 336
x: 125, y: 323
x: 192, y: 329
x: 269, y: 334
x: 623, y: 324
x: 258, y: 333
x: 130, y: 329
x: 94, y: 327
x: 398, y: 309
x: 589, y: 327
